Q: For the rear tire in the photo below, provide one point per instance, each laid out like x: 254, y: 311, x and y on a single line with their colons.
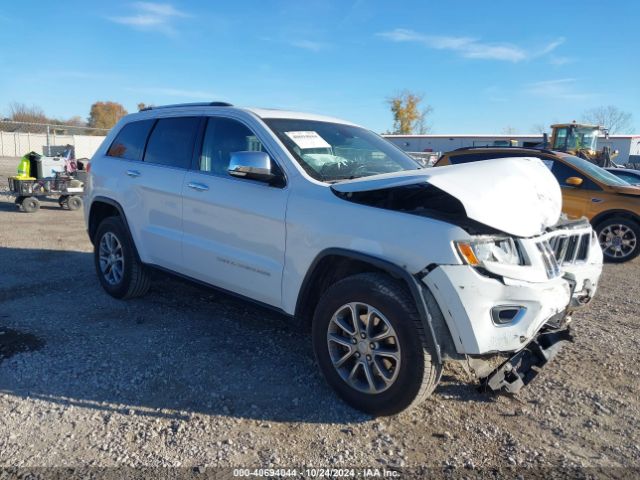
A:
x: 119, y: 270
x: 378, y: 377
x: 30, y: 204
x: 619, y: 238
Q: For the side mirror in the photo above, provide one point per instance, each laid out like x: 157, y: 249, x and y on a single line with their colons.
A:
x: 252, y: 165
x: 574, y: 181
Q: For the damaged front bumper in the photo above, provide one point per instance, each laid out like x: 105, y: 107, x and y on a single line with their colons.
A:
x: 472, y: 305
x: 525, y: 365
x: 501, y: 308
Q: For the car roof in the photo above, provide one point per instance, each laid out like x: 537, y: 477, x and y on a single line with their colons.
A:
x: 277, y: 113
x: 490, y: 148
x: 264, y: 113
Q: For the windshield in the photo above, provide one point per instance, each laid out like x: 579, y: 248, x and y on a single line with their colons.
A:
x: 332, y: 151
x: 576, y: 138
x: 595, y: 171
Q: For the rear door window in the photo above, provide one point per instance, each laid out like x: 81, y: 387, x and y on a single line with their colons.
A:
x: 171, y: 142
x: 130, y: 141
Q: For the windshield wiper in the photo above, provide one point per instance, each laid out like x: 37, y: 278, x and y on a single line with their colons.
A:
x: 339, y: 179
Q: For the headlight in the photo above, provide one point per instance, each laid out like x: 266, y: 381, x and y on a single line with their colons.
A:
x: 490, y: 250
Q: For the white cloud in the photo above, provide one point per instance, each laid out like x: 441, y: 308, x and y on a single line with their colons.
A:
x: 309, y: 45
x: 550, y: 47
x: 176, y: 92
x: 469, y: 47
x: 559, y: 61
x: 559, y: 89
x: 151, y: 16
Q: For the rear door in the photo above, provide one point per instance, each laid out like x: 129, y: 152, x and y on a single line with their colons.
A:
x: 153, y: 194
x: 120, y: 171
x: 234, y: 229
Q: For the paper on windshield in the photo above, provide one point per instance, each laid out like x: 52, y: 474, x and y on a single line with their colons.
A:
x: 308, y: 139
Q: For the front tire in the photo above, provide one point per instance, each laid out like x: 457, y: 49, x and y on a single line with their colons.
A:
x: 119, y: 270
x: 619, y: 238
x: 370, y: 346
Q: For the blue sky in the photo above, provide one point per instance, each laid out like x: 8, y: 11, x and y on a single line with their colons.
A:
x: 483, y: 66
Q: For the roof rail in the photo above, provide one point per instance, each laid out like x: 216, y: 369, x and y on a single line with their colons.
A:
x: 497, y: 147
x: 197, y: 104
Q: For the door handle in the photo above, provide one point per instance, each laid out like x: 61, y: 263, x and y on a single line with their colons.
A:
x: 201, y: 187
x: 133, y: 173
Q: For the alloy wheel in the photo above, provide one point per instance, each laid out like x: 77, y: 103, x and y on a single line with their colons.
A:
x: 617, y: 240
x: 111, y: 258
x: 364, y: 348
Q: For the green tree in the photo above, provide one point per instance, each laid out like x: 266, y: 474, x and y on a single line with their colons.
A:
x: 105, y: 114
x: 408, y: 114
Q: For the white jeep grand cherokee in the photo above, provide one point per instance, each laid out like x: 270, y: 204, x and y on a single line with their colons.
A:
x: 396, y: 268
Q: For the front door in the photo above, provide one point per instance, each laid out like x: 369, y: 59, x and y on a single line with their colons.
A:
x: 575, y: 199
x: 233, y: 229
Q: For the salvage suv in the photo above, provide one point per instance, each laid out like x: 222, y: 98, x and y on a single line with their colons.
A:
x: 396, y: 269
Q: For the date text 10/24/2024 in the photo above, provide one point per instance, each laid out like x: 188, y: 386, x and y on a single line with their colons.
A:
x: 317, y: 473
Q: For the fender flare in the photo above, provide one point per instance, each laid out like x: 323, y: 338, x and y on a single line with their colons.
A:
x: 396, y: 271
x: 599, y: 218
x: 117, y: 206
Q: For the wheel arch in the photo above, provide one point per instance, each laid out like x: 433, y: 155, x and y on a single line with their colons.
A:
x: 334, y: 264
x: 104, y: 207
x: 601, y: 217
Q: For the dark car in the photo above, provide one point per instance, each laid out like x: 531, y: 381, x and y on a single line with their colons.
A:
x: 627, y: 174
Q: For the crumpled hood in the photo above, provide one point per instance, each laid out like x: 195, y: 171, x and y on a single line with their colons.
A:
x: 519, y: 196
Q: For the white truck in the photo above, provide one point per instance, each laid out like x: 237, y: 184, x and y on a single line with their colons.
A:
x: 396, y: 269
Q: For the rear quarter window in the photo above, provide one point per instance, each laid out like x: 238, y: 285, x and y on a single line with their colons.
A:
x: 130, y: 141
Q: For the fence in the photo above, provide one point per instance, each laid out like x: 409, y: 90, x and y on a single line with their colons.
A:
x: 18, y: 138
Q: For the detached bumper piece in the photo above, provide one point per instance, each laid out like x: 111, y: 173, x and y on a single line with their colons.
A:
x: 525, y: 365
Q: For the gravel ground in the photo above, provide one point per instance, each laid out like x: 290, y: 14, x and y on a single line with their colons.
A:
x: 194, y: 378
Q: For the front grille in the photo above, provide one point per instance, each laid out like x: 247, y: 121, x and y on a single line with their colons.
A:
x: 549, y: 259
x: 570, y: 248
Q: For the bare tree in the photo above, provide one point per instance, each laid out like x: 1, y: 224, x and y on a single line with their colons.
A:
x: 408, y: 116
x: 509, y: 130
x: 611, y: 118
x: 20, y: 112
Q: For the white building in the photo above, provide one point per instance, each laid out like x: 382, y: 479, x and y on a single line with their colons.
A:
x: 628, y: 146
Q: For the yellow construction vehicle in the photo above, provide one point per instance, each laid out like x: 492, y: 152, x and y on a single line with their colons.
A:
x: 581, y: 140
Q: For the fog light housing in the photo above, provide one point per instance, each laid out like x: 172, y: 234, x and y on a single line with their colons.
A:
x: 507, y: 314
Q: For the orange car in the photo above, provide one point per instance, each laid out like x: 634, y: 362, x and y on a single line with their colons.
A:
x: 611, y: 204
